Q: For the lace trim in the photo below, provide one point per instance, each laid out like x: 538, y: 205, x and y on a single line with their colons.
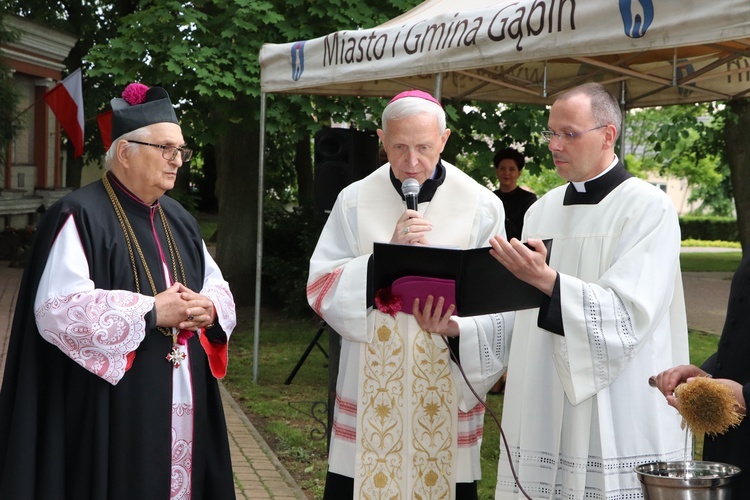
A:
x: 96, y: 329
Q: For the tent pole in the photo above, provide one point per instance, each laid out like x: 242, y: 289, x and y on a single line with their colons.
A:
x: 437, y: 94
x: 624, y: 108
x: 259, y: 243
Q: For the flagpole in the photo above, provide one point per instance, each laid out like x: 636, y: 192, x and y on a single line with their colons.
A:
x: 33, y: 104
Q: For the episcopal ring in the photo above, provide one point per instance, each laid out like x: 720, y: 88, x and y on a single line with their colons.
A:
x: 191, y: 318
x: 406, y: 230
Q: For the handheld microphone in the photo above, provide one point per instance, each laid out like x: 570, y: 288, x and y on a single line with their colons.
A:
x: 410, y: 189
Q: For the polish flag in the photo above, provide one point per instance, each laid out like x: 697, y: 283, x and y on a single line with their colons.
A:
x: 66, y: 101
x: 104, y: 120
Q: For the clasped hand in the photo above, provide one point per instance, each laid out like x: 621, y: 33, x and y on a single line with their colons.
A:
x: 180, y: 307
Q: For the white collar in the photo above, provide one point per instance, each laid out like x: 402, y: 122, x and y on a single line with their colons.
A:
x: 581, y: 186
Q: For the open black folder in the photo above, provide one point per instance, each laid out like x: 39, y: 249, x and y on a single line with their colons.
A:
x: 483, y: 285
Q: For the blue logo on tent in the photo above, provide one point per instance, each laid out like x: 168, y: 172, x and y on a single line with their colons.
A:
x: 298, y: 60
x: 637, y: 16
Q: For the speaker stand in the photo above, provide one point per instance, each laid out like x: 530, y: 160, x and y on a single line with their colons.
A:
x: 314, y: 342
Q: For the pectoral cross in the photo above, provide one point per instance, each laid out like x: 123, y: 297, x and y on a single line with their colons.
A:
x: 176, y: 357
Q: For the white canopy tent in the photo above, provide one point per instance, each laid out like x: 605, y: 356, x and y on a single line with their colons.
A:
x: 527, y: 51
x: 647, y: 52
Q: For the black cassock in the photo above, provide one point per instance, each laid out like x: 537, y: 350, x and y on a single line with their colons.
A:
x: 68, y: 434
x: 732, y: 361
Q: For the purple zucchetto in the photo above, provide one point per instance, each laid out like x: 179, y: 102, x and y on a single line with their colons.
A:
x: 416, y: 93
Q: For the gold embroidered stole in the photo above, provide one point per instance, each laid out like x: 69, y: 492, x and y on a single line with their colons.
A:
x: 407, y: 404
x: 407, y: 414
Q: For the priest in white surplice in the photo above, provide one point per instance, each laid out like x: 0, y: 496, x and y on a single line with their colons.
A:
x: 405, y: 425
x: 579, y: 414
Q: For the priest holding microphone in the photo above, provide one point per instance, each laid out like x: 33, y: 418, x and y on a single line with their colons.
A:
x: 405, y: 423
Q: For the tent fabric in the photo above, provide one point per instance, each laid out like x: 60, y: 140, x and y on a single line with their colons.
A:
x: 528, y: 51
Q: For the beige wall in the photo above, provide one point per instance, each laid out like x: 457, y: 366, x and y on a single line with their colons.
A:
x: 677, y: 190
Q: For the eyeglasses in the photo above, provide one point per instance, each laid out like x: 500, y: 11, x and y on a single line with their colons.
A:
x: 565, y: 137
x: 169, y: 152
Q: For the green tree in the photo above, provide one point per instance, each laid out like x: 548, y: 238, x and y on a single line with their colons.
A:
x: 480, y: 129
x: 683, y: 142
x: 205, y: 54
x: 738, y: 153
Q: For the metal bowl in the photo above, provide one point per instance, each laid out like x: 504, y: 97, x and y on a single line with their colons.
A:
x: 692, y: 480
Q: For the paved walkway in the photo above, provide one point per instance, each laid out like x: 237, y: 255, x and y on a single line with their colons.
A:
x: 258, y: 474
x: 706, y: 299
x: 706, y: 295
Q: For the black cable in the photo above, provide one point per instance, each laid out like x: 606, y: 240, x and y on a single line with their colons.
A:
x: 494, y: 417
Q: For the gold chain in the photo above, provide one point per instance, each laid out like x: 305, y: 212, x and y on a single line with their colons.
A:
x: 173, y: 250
x: 131, y: 239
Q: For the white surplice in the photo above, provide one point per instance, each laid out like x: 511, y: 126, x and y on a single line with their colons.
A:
x: 578, y: 413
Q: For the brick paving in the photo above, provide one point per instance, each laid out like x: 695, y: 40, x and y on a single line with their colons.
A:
x: 258, y: 474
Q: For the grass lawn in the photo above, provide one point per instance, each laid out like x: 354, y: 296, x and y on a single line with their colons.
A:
x: 292, y: 417
x: 708, y: 261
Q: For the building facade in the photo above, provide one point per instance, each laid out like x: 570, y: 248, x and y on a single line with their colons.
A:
x: 33, y: 174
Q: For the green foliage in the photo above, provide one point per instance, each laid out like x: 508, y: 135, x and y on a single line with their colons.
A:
x: 546, y: 180
x: 689, y: 242
x: 676, y: 141
x: 290, y: 238
x: 709, y: 228
x: 206, y: 52
x: 187, y: 199
x: 478, y: 129
x: 683, y: 141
